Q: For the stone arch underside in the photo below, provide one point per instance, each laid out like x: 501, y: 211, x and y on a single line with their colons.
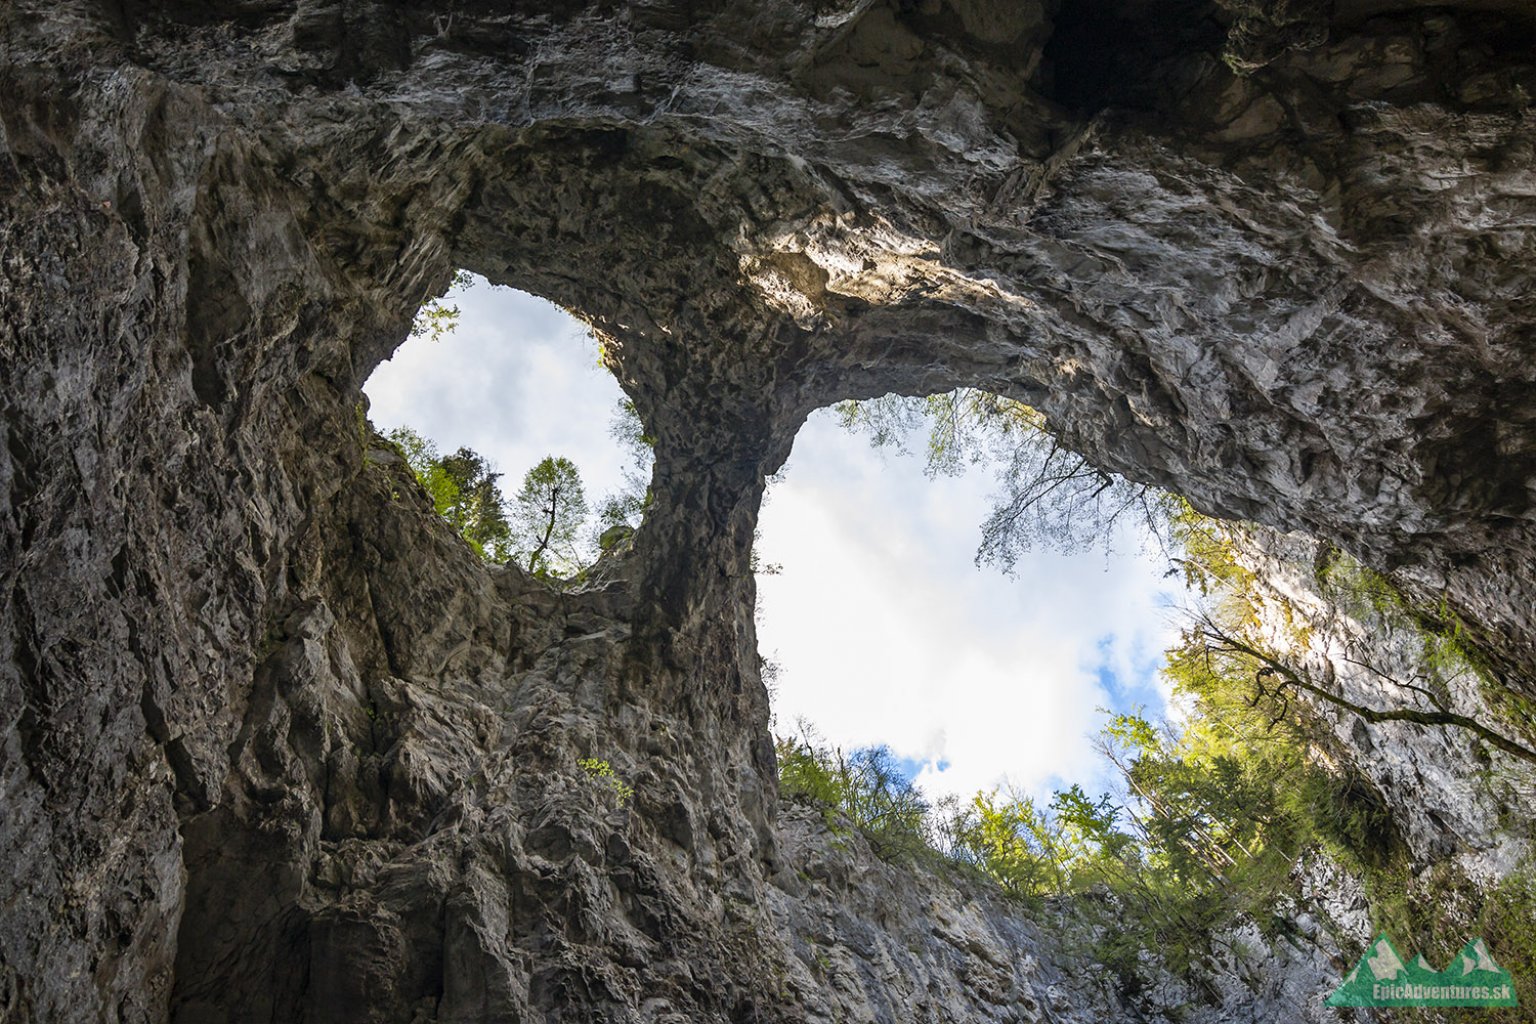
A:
x: 276, y: 747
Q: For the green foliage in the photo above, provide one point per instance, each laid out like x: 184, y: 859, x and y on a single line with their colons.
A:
x: 1205, y: 552
x: 1072, y: 844
x: 1266, y: 754
x: 1049, y: 497
x: 463, y: 490
x: 1449, y: 650
x: 886, y: 422
x: 543, y: 525
x: 547, y: 526
x: 866, y: 789
x: 436, y: 318
x: 613, y: 536
x: 1216, y: 812
x: 1254, y: 779
x: 628, y: 505
x: 603, y: 772
x: 1013, y: 843
x: 1435, y: 910
x: 1505, y: 920
x: 477, y: 511
x: 1204, y: 839
x: 1274, y: 659
x: 548, y: 514
x: 809, y: 774
x: 1360, y: 591
x: 883, y: 803
x: 1447, y: 646
x: 1221, y: 808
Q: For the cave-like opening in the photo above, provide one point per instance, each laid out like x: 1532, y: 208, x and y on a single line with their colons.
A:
x: 1102, y: 54
x: 1223, y: 761
x: 886, y: 628
x: 499, y: 389
x: 881, y: 626
x: 1057, y: 727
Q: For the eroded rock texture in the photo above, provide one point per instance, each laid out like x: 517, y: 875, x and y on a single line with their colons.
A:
x: 274, y: 747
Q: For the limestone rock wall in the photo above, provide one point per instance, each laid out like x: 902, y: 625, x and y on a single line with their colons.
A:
x: 1454, y: 797
x: 274, y: 747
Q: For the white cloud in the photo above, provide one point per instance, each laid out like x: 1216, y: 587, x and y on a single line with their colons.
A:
x: 516, y: 381
x: 886, y: 631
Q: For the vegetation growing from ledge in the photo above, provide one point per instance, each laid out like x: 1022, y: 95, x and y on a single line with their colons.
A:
x: 602, y: 772
x: 548, y: 514
x: 1209, y: 833
x: 463, y: 490
x: 1437, y: 909
x: 1219, y: 810
x: 865, y: 790
x: 436, y: 318
x: 547, y: 527
x: 1277, y: 666
x: 1277, y: 656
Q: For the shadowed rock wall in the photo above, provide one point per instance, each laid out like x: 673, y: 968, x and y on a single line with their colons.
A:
x: 275, y: 747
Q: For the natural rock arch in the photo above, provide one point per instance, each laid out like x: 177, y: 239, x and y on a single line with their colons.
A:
x: 276, y: 748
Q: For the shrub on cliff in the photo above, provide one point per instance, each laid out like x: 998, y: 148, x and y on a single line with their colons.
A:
x: 865, y: 789
x: 463, y: 490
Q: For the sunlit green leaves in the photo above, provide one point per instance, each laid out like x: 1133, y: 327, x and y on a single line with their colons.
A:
x: 463, y: 490
x: 865, y: 788
x: 548, y: 514
x: 436, y: 318
x: 548, y: 526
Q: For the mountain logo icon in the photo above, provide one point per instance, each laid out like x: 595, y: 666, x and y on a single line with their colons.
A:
x: 1383, y: 978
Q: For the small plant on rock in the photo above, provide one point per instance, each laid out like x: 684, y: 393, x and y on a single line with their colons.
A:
x: 603, y: 772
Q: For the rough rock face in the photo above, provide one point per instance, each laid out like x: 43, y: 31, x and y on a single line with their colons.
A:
x: 274, y: 747
x: 1454, y: 797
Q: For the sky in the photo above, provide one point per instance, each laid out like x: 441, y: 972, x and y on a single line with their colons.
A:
x: 883, y: 628
x: 517, y: 380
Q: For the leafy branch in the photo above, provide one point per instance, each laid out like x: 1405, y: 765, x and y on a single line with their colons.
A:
x: 1273, y: 676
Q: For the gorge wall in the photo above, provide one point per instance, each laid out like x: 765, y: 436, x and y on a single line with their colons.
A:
x: 275, y: 747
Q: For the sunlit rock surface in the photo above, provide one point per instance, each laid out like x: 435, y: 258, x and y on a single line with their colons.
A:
x: 1455, y: 798
x: 275, y: 747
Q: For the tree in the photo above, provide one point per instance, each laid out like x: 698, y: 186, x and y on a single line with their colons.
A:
x: 626, y: 506
x: 1277, y: 678
x: 463, y: 490
x: 1004, y: 836
x: 542, y: 528
x: 421, y: 455
x: 866, y: 788
x: 1228, y: 641
x: 1050, y: 495
x: 478, y: 510
x: 547, y: 517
